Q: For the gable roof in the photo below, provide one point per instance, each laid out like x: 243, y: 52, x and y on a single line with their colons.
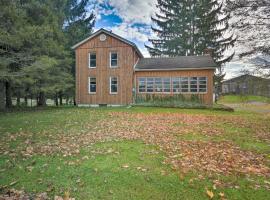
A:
x: 110, y: 33
x: 176, y: 63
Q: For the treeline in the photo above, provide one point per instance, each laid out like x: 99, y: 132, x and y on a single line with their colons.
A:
x: 36, y: 60
x: 188, y: 27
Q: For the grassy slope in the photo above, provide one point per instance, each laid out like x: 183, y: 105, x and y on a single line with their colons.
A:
x: 102, y: 175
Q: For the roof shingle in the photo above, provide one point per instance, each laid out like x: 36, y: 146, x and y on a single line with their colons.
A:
x: 175, y: 63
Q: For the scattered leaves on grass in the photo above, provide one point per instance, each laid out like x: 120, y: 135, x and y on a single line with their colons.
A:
x: 161, y: 129
x: 210, y: 194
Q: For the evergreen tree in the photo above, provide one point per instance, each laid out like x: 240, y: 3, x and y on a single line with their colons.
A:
x: 78, y: 26
x: 188, y: 27
x: 14, y: 52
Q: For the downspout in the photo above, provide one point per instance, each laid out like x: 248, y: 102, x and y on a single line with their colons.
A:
x: 135, y: 81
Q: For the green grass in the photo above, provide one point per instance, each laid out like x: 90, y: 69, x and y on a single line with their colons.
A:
x: 242, y: 99
x: 102, y: 175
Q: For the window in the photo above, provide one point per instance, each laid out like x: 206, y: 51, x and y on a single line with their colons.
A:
x: 184, y: 84
x: 202, y: 84
x: 113, y: 59
x: 176, y: 84
x: 158, y: 85
x: 166, y: 84
x: 193, y: 84
x: 92, y: 85
x: 142, y: 84
x: 92, y: 60
x: 150, y: 85
x: 113, y: 85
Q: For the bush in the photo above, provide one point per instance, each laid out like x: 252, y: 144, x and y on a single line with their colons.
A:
x: 178, y: 100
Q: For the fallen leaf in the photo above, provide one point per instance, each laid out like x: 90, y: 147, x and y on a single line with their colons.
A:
x: 125, y: 166
x: 221, y: 194
x: 210, y: 194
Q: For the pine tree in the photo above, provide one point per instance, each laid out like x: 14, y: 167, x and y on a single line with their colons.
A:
x: 79, y: 25
x: 188, y: 27
x: 14, y: 53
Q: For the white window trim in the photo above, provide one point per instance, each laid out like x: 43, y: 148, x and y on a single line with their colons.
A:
x: 89, y: 59
x: 111, y: 59
x: 111, y: 84
x: 206, y: 84
x: 90, y: 87
x: 171, y: 86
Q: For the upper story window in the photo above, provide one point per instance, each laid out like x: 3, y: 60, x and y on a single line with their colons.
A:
x: 92, y: 60
x: 92, y: 85
x: 113, y: 59
x: 113, y: 85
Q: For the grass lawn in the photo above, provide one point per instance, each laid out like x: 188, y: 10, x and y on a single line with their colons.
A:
x: 135, y: 153
x: 243, y: 99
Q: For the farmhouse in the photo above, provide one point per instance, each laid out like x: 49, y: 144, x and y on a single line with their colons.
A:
x: 111, y: 70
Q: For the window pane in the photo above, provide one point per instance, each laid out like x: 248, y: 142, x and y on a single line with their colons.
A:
x: 92, y: 83
x: 150, y: 85
x: 114, y: 80
x: 113, y: 62
x: 113, y: 88
x: 202, y: 84
x: 193, y: 84
x: 166, y: 85
x: 93, y: 56
x: 113, y: 59
x: 114, y: 84
x: 92, y: 88
x: 176, y: 84
x: 158, y: 85
x: 92, y: 63
x: 142, y: 84
x: 114, y: 56
x: 92, y: 60
x: 184, y: 84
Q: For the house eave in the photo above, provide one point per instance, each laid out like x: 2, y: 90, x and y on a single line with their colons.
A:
x: 175, y: 69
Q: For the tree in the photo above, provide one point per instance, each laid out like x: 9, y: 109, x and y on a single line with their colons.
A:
x: 79, y: 25
x: 251, y: 22
x: 13, y: 51
x: 188, y: 27
x: 37, y: 32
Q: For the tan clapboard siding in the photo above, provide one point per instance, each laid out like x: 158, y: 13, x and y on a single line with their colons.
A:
x: 207, y: 97
x: 127, y: 57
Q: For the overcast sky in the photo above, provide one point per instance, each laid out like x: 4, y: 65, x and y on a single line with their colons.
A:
x: 131, y: 19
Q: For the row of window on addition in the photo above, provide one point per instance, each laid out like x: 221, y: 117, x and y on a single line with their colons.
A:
x: 93, y: 85
x: 172, y: 84
x: 92, y: 61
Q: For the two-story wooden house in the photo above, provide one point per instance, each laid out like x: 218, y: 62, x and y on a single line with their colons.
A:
x: 110, y: 70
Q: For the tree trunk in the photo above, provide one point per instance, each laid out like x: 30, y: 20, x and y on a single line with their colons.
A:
x: 8, y: 95
x: 67, y: 100
x: 56, y: 100
x: 60, y: 98
x: 41, y: 99
x: 74, y: 101
x: 18, y: 99
x: 25, y: 101
x: 2, y: 95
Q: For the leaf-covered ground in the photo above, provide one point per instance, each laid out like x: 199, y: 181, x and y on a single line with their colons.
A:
x: 135, y: 153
